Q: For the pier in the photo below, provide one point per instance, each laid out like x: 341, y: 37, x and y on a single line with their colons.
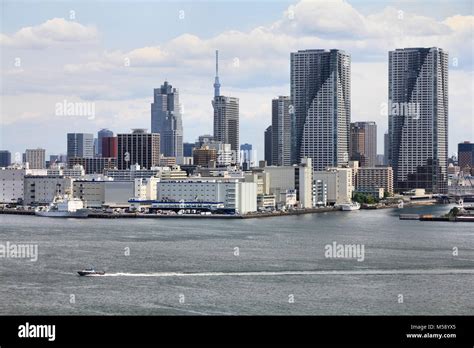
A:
x: 429, y: 217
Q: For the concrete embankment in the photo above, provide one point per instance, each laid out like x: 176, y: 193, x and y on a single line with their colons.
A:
x: 104, y: 215
x: 159, y: 216
x: 212, y: 216
x: 17, y: 212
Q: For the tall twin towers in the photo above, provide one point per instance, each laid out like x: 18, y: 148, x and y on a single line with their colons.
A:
x: 417, y: 113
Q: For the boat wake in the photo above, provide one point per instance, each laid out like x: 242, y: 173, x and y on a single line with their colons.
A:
x: 296, y: 273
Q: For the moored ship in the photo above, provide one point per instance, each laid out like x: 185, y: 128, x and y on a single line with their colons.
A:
x: 65, y: 207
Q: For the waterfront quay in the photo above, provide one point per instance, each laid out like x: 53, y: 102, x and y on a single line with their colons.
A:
x: 138, y: 215
x: 120, y: 214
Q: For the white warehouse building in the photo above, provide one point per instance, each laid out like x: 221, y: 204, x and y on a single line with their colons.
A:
x: 12, y: 183
x: 336, y: 183
x: 288, y: 179
x: 41, y: 189
x: 237, y: 196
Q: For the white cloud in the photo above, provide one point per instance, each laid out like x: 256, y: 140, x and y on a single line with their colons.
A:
x: 325, y: 18
x: 392, y: 22
x: 53, y: 31
x: 263, y: 53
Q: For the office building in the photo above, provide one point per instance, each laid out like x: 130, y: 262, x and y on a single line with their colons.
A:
x: 297, y: 178
x: 109, y: 147
x: 138, y: 147
x: 167, y: 161
x: 418, y: 118
x: 205, y: 157
x: 225, y: 155
x: 5, y: 158
x: 261, y: 178
x: 265, y: 200
x: 76, y: 172
x: 95, y: 165
x: 386, y: 148
x: 36, y: 158
x: 226, y: 121
x: 172, y: 173
x: 188, y: 149
x: 321, y: 99
x: 466, y: 155
x: 320, y: 193
x: 135, y: 172
x: 247, y: 160
x: 96, y: 147
x: 80, y: 145
x: 166, y: 119
x: 55, y: 159
x: 371, y: 179
x: 363, y: 143
x: 268, y: 145
x: 103, y: 133
x: 334, y: 184
x: 281, y: 131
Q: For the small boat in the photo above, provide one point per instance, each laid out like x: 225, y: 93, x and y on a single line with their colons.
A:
x: 64, y: 206
x: 89, y: 272
x: 350, y: 206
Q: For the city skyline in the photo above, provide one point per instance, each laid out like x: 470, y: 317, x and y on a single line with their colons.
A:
x: 254, y: 75
x: 331, y: 68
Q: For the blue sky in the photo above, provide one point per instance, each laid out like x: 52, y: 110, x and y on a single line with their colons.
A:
x: 81, y: 60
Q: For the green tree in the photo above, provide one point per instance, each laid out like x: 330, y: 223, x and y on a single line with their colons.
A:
x: 370, y: 199
x: 453, y: 212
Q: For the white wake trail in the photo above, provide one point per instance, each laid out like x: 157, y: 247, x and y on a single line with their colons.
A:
x: 290, y: 273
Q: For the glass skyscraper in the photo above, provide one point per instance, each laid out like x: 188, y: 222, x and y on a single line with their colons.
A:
x: 80, y: 145
x: 321, y: 99
x: 103, y: 133
x: 281, y: 131
x: 363, y: 143
x: 418, y: 118
x: 166, y: 119
x: 5, y: 158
